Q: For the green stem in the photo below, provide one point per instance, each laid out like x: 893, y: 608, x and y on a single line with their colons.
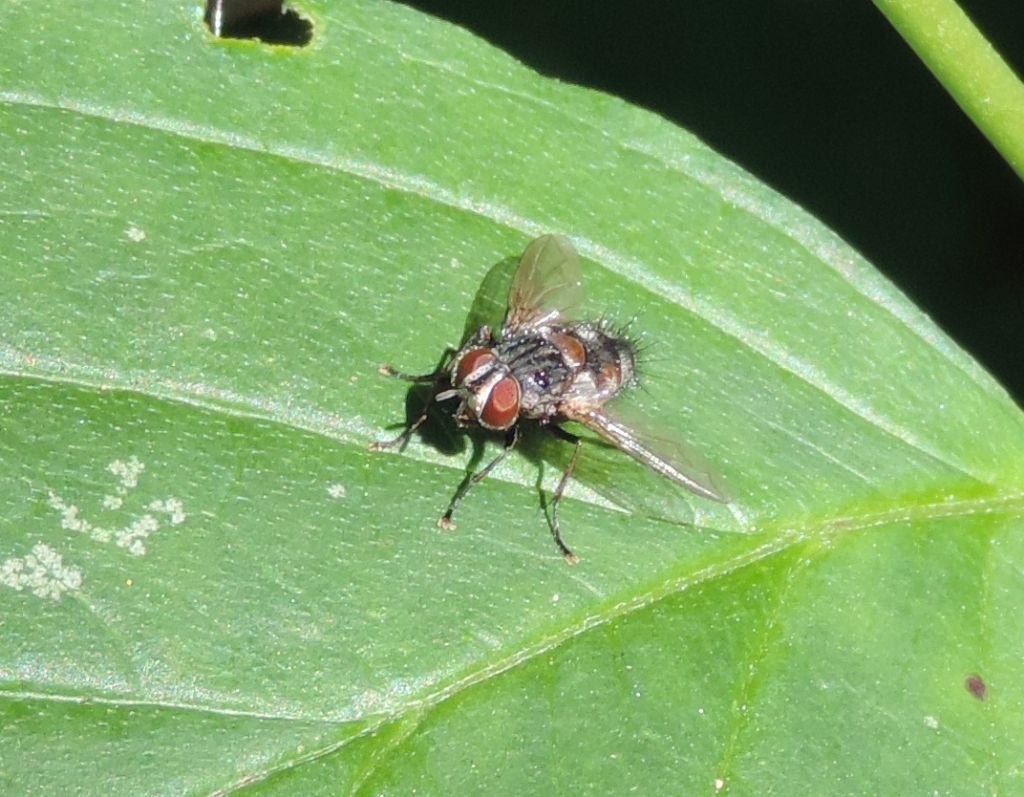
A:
x: 968, y: 67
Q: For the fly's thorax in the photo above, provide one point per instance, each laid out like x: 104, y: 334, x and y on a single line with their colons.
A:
x: 490, y: 394
x: 540, y: 367
x: 560, y: 367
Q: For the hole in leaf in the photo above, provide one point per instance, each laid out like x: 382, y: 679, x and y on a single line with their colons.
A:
x: 266, y: 20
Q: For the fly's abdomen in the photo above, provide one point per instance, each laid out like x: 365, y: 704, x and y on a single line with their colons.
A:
x: 610, y: 366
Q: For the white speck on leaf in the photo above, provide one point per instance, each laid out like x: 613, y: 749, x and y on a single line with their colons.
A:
x: 127, y: 472
x: 43, y: 572
x: 136, y: 234
x: 172, y: 507
x: 69, y: 519
x: 133, y: 535
x: 336, y: 491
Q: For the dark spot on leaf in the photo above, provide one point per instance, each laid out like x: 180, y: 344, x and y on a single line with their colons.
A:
x: 976, y: 686
x: 265, y: 20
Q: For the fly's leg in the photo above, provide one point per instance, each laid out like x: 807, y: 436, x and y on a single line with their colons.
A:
x: 410, y: 430
x: 561, y: 434
x: 400, y: 441
x: 387, y: 370
x: 511, y: 438
x: 437, y: 378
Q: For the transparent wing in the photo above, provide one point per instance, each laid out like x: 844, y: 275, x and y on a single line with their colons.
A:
x: 547, y: 284
x: 671, y: 458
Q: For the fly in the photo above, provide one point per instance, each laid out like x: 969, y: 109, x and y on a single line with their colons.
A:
x: 548, y: 367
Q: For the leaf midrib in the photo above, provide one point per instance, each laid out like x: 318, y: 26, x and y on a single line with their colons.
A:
x: 337, y: 429
x: 624, y: 266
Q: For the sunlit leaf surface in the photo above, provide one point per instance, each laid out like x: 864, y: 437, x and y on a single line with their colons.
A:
x: 208, y: 583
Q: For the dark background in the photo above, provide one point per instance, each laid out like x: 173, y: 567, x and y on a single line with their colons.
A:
x: 827, y: 104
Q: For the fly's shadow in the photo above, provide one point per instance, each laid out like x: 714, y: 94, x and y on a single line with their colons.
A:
x: 440, y: 431
x: 491, y: 300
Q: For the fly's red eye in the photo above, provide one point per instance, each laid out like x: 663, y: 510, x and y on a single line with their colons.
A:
x: 502, y: 406
x: 471, y: 361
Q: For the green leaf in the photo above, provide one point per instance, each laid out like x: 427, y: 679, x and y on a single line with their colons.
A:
x: 207, y: 581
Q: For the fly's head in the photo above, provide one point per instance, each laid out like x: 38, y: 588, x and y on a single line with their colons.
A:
x: 490, y: 395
